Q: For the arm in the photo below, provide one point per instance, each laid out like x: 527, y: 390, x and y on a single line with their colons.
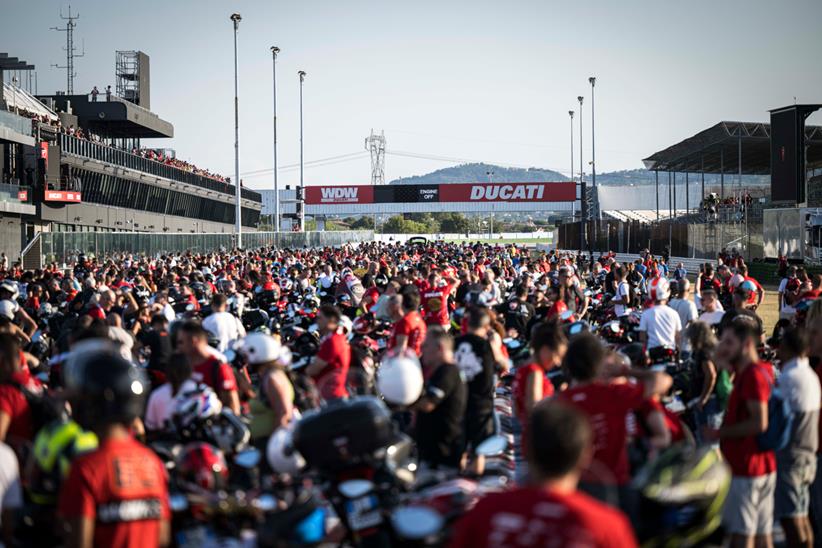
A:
x: 80, y: 532
x: 660, y: 437
x: 5, y: 421
x: 756, y: 423
x: 654, y: 383
x: 400, y: 343
x: 533, y: 393
x: 316, y: 366
x: 231, y: 399
x: 29, y: 325
x: 709, y: 370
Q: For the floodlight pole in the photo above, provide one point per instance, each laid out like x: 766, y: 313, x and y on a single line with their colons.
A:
x: 593, y: 80
x: 302, y: 74
x: 583, y: 194
x: 235, y: 18
x: 274, y: 51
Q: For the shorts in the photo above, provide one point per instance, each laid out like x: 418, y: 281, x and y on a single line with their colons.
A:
x: 749, y: 507
x: 793, y: 489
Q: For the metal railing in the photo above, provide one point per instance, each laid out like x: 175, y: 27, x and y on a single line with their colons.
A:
x: 65, y: 247
x: 105, y: 153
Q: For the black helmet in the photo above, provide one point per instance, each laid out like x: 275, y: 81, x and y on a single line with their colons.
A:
x: 102, y: 385
x: 682, y: 493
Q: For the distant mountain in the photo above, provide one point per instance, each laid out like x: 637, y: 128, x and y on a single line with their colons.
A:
x: 466, y: 173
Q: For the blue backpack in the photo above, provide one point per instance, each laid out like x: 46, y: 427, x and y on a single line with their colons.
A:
x: 780, y: 423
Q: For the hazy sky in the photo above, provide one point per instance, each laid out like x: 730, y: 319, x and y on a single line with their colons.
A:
x: 465, y: 80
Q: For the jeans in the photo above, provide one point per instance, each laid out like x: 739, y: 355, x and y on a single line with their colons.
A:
x: 710, y: 415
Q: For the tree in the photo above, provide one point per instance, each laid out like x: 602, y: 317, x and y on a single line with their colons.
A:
x: 454, y: 223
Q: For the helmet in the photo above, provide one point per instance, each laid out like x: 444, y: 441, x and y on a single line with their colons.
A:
x: 748, y: 286
x: 8, y: 309
x: 659, y: 289
x: 102, y: 385
x: 202, y: 467
x: 346, y: 325
x: 11, y: 287
x: 363, y: 324
x: 399, y: 380
x: 56, y: 446
x: 261, y: 348
x: 193, y: 406
x: 281, y: 455
x: 682, y: 492
x: 46, y: 309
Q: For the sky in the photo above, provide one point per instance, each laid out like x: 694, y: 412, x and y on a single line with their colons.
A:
x: 449, y: 80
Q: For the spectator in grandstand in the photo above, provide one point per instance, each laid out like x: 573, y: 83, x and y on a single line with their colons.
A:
x: 108, y: 93
x: 94, y: 93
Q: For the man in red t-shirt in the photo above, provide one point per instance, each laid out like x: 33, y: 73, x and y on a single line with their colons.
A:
x: 116, y: 495
x: 550, y: 511
x: 209, y: 368
x: 756, y: 297
x: 409, y: 329
x: 435, y: 299
x: 329, y: 368
x: 749, y: 510
x: 607, y: 405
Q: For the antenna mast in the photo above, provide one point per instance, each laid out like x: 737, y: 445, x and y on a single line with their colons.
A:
x: 69, y: 49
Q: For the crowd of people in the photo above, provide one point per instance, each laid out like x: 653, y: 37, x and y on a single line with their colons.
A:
x: 648, y: 404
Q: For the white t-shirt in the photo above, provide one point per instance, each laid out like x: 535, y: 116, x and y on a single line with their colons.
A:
x: 226, y: 327
x: 661, y: 323
x: 622, y: 290
x: 11, y: 494
x: 161, y: 404
x: 712, y: 318
x: 687, y: 313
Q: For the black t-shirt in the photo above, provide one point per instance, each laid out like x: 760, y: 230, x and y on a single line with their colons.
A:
x: 517, y: 315
x: 159, y: 342
x: 475, y: 360
x: 439, y: 434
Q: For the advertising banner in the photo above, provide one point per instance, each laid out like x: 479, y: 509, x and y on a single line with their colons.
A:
x: 508, y: 192
x: 354, y: 194
x: 62, y: 196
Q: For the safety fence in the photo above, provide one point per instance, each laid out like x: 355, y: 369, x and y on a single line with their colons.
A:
x: 65, y: 247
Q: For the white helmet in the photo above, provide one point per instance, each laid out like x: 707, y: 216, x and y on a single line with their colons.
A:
x: 660, y: 289
x: 346, y: 325
x: 8, y: 309
x: 12, y: 287
x: 281, y: 455
x: 399, y: 380
x: 262, y: 348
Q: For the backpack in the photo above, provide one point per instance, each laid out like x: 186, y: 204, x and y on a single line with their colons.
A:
x: 780, y: 423
x: 44, y: 407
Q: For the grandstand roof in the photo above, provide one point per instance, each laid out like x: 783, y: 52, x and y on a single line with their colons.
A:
x: 19, y: 99
x: 717, y: 150
x: 641, y: 215
x: 114, y: 118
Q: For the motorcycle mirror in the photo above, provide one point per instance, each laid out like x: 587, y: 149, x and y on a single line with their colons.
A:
x: 566, y: 315
x: 178, y: 502
x: 248, y: 459
x: 266, y: 503
x: 230, y: 355
x: 575, y: 328
x: 353, y: 489
x: 416, y: 522
x: 493, y: 446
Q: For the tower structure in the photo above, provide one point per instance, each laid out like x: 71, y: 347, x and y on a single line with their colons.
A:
x: 375, y: 144
x: 69, y: 49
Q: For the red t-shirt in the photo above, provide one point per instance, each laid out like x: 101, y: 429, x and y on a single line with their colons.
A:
x: 743, y: 454
x: 216, y: 374
x: 672, y: 421
x: 754, y: 295
x: 412, y: 326
x: 122, y: 487
x: 530, y: 516
x: 520, y: 383
x: 607, y: 406
x: 336, y: 353
x: 435, y: 305
x: 14, y: 404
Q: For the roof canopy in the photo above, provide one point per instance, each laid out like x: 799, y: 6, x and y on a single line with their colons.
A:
x: 717, y: 150
x: 19, y: 99
x: 115, y: 118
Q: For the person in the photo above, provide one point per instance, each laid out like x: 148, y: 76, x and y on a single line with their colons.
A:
x: 224, y: 325
x: 711, y: 309
x: 706, y: 280
x: 659, y: 326
x: 16, y: 421
x: 749, y: 509
x: 441, y: 409
x: 11, y: 494
x: 329, y: 368
x: 550, y: 511
x: 117, y: 494
x: 755, y: 299
x: 158, y: 341
x: 94, y: 93
x: 813, y: 324
x: 274, y: 405
x: 518, y: 312
x: 622, y: 295
x: 575, y: 299
x: 686, y: 309
x: 607, y: 405
x: 477, y: 360
x: 707, y: 404
x: 790, y: 274
x: 208, y: 366
x: 435, y: 298
x: 108, y: 93
x: 796, y: 463
x: 162, y: 401
x: 409, y: 329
